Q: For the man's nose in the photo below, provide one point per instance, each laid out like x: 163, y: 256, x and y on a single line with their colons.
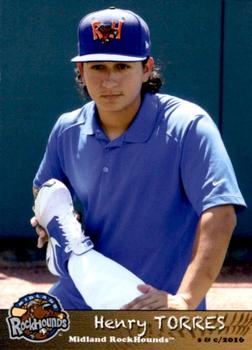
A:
x: 110, y: 81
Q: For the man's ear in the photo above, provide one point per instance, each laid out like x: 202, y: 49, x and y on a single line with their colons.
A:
x: 79, y: 66
x: 148, y: 68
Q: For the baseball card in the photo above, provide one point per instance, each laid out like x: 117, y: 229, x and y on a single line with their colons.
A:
x: 125, y: 149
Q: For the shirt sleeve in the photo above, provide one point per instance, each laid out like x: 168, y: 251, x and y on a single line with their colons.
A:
x: 206, y: 170
x: 50, y: 166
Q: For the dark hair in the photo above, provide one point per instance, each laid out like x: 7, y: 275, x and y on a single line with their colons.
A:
x: 152, y: 86
x: 155, y: 81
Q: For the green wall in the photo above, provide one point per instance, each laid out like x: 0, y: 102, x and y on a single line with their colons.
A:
x: 203, y: 46
x: 237, y: 98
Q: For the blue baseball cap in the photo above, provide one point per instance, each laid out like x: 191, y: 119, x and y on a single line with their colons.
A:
x: 113, y: 35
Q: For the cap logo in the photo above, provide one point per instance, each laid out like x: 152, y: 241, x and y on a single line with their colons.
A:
x: 107, y: 32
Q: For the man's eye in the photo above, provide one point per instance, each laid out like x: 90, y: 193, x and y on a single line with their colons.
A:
x: 97, y: 67
x: 123, y: 66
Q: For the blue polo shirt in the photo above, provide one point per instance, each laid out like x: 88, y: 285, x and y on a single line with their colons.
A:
x: 143, y: 193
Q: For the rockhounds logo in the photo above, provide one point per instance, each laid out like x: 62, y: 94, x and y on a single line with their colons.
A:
x: 37, y: 318
x: 107, y: 32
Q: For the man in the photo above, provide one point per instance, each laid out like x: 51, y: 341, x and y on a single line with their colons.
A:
x: 157, y: 187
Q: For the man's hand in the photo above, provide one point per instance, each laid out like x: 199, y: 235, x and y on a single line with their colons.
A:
x: 41, y: 232
x: 154, y: 299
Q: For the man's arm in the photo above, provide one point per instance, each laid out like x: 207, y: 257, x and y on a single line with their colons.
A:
x: 213, y: 235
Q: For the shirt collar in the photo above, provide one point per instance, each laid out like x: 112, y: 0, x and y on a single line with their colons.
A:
x: 141, y: 128
x: 143, y: 125
x: 90, y: 126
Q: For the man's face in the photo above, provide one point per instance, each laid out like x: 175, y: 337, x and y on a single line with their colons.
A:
x: 115, y: 86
